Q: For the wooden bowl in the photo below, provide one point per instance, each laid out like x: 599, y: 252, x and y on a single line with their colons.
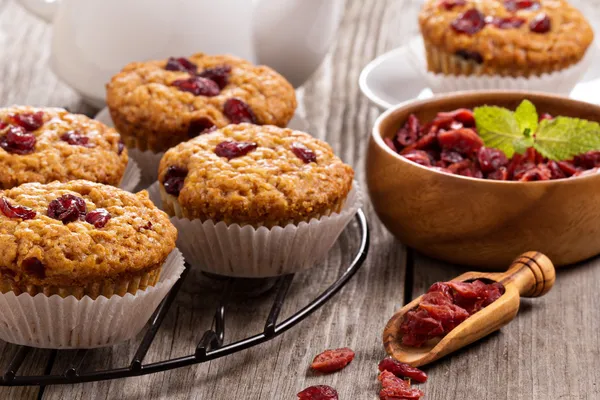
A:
x: 477, y: 222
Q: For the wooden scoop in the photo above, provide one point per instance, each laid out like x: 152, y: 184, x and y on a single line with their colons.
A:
x: 530, y: 275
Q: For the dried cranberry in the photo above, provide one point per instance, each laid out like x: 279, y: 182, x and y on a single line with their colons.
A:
x: 29, y: 121
x: 591, y: 159
x: 464, y: 141
x: 555, y: 171
x: 67, y: 208
x: 99, y: 218
x: 540, y: 24
x: 174, y: 179
x: 181, y: 64
x: 147, y: 226
x: 394, y: 388
x: 462, y: 115
x: 219, y: 75
x: 197, y: 86
x: 320, y: 392
x: 567, y: 167
x: 390, y: 144
x: 238, y: 111
x: 507, y: 22
x: 468, y: 55
x: 451, y: 157
x: 499, y: 175
x: 3, y: 125
x: 303, y: 153
x: 521, y: 168
x: 76, y: 139
x: 450, y: 4
x: 515, y: 5
x: 418, y: 156
x: 17, y: 141
x: 12, y: 211
x: 402, y: 370
x: 332, y: 360
x: 120, y: 147
x: 469, y: 22
x: 535, y: 174
x: 546, y: 116
x: 473, y: 296
x: 33, y: 266
x: 491, y: 159
x: 231, y: 149
x: 409, y: 133
x: 200, y: 126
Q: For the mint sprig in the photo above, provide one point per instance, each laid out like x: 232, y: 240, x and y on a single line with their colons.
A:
x: 514, y: 132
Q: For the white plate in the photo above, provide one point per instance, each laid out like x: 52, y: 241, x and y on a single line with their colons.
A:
x: 395, y: 77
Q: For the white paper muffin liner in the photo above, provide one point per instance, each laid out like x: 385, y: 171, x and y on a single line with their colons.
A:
x: 148, y: 162
x: 67, y: 323
x: 559, y: 82
x: 250, y: 252
x: 131, y: 177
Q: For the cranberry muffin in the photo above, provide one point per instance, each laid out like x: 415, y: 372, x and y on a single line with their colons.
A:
x: 253, y: 175
x: 156, y: 105
x: 513, y: 38
x: 80, y: 238
x: 51, y: 144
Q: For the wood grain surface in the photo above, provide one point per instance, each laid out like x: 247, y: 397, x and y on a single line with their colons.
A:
x: 550, y: 351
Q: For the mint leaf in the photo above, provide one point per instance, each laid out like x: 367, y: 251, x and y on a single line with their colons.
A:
x: 498, y: 128
x: 563, y: 138
x: 527, y: 117
x: 522, y: 144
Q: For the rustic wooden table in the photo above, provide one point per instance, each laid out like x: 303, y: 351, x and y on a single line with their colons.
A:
x: 550, y: 351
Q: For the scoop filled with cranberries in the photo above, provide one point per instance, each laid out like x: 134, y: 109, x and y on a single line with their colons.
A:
x: 477, y: 177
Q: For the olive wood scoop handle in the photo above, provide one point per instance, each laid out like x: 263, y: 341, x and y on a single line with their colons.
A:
x: 530, y: 275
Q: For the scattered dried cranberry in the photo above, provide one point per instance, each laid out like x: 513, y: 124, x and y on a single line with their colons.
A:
x: 33, y: 266
x: 464, y: 141
x: 332, y: 360
x: 174, y: 179
x: 303, y: 153
x: 402, y: 370
x: 231, y: 149
x: 540, y: 24
x: 470, y: 56
x: 320, y: 392
x: 11, y: 211
x: 515, y: 5
x: 76, y: 139
x: 200, y: 126
x: 469, y: 22
x: 29, y: 121
x: 394, y: 388
x: 181, y: 64
x: 67, y: 208
x: 219, y: 75
x: 238, y: 111
x: 17, y: 141
x: 99, y: 218
x: 507, y: 22
x: 120, y: 147
x: 197, y: 86
x: 450, y: 4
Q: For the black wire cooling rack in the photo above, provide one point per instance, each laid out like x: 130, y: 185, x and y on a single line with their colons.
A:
x: 211, y: 345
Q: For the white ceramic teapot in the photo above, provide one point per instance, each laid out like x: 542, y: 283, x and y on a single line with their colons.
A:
x: 94, y: 39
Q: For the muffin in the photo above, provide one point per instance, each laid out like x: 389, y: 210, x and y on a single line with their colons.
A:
x: 50, y: 144
x: 82, y: 239
x: 156, y: 105
x: 508, y: 38
x: 253, y: 175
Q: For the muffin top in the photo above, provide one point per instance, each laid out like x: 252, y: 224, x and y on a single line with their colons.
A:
x: 49, y: 144
x: 257, y: 175
x: 167, y: 102
x: 79, y: 232
x: 507, y: 33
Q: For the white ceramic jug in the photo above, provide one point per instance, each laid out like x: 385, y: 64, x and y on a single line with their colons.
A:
x: 94, y: 39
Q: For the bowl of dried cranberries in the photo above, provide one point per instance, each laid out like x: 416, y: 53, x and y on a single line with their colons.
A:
x: 476, y: 178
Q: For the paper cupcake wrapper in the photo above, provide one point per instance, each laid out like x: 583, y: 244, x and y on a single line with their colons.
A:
x: 249, y: 252
x: 67, y: 323
x: 558, y: 82
x: 148, y: 163
x: 131, y: 177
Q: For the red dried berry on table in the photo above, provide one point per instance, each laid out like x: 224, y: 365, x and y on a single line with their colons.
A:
x: 33, y: 266
x: 506, y: 23
x: 67, y: 208
x: 99, y: 218
x: 464, y: 141
x: 418, y: 156
x: 174, y: 180
x: 516, y: 5
x: 238, y: 111
x: 12, y: 211
x: 17, y: 141
x: 332, y: 360
x: 303, y: 153
x: 540, y: 24
x: 76, y: 139
x: 450, y: 4
x: 181, y: 64
x: 469, y: 22
x: 320, y: 392
x: 197, y: 86
x: 402, y: 370
x: 490, y: 159
x: 29, y: 121
x: 231, y: 149
x: 200, y: 126
x: 219, y: 75
x: 394, y: 388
